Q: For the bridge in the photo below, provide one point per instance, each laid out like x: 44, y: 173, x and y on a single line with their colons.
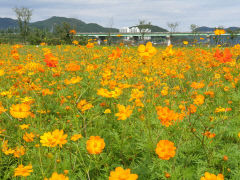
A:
x: 151, y: 34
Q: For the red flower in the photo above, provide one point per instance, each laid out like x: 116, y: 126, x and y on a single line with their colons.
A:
x: 50, y: 60
x: 223, y: 57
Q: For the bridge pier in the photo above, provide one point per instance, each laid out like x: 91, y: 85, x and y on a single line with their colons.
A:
x: 102, y: 38
x: 168, y: 40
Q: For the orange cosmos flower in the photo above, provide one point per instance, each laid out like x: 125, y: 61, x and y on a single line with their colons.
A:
x: 73, y: 31
x: 28, y: 137
x: 95, y: 145
x: 199, y: 100
x: 23, y: 170
x: 209, y: 134
x: 115, y: 54
x: 210, y: 93
x: 2, y: 108
x: 5, y: 148
x: 121, y: 174
x: 225, y: 158
x: 20, y: 110
x: 83, y: 105
x: 209, y: 176
x: 136, y: 94
x: 75, y: 137
x: 165, y: 149
x: 75, y: 42
x: 192, y: 109
x: 46, y: 92
x: 56, y: 176
x: 72, y: 67
x: 15, y: 56
x: 168, y: 51
x: 166, y: 116
x: 124, y: 112
x: 90, y: 45
x: 19, y: 151
x: 196, y: 85
x: 167, y: 175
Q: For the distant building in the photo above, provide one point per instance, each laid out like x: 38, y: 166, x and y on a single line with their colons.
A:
x: 134, y: 29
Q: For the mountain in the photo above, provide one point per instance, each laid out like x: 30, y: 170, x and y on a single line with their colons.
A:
x: 233, y: 28
x: 6, y: 23
x: 50, y: 23
x: 76, y: 24
x: 210, y: 29
x: 157, y: 29
x: 205, y: 29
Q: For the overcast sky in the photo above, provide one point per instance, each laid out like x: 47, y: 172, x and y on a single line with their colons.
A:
x: 125, y: 13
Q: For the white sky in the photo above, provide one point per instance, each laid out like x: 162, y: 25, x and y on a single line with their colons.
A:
x: 212, y: 13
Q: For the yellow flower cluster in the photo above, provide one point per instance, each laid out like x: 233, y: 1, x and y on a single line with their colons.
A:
x: 52, y: 139
x: 147, y: 51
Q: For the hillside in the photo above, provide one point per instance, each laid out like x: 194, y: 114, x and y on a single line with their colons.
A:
x: 157, y: 29
x: 50, y: 23
x: 76, y: 24
x: 210, y: 29
x: 6, y: 23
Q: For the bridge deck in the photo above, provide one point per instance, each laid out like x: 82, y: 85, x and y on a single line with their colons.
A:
x: 155, y: 34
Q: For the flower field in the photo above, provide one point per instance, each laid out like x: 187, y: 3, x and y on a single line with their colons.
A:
x: 119, y: 113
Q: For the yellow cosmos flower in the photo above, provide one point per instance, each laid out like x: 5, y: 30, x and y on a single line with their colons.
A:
x: 2, y: 109
x: 107, y: 111
x: 2, y: 72
x: 56, y: 176
x: 23, y: 170
x: 20, y: 110
x: 75, y: 137
x: 209, y: 176
x: 121, y: 174
x: 24, y: 126
x: 53, y: 139
x: 147, y: 51
x: 123, y: 112
x: 73, y: 80
x: 28, y: 137
x: 219, y: 32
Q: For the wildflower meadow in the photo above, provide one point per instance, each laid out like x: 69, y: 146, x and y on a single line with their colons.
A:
x: 119, y: 113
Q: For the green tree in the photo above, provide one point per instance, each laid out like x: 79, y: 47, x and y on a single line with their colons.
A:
x: 233, y: 34
x: 194, y: 29
x: 24, y: 16
x: 62, y: 31
x: 172, y: 26
x: 143, y: 27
